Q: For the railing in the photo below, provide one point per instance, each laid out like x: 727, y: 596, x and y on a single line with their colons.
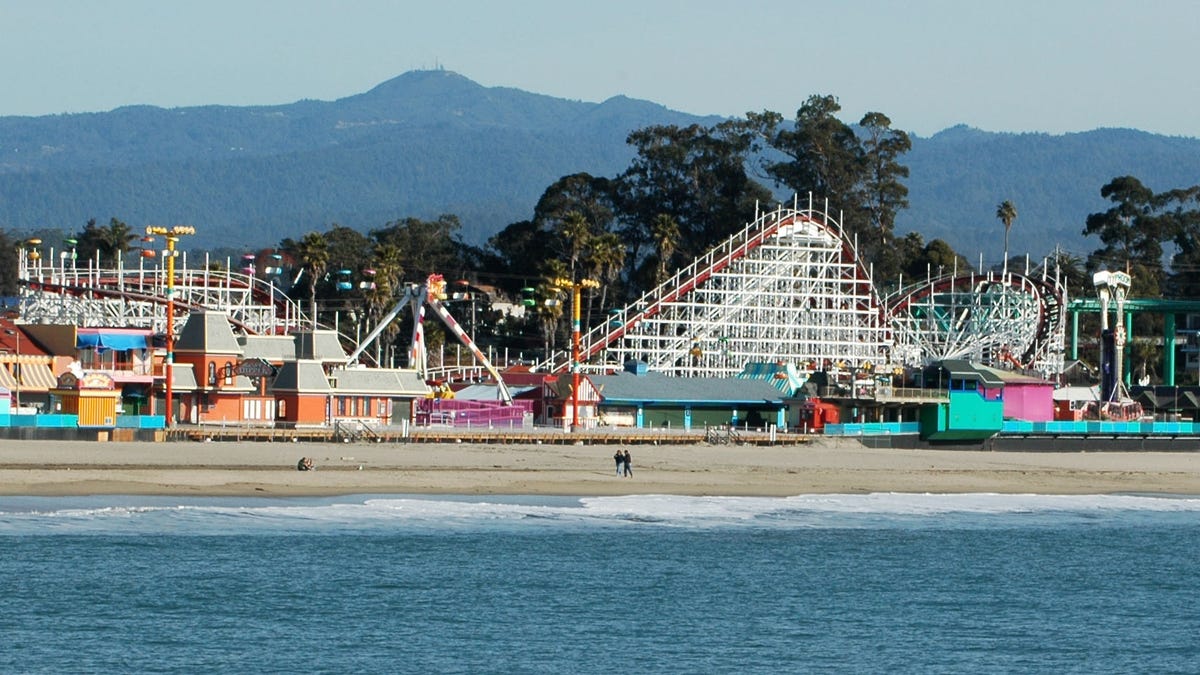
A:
x: 722, y: 435
x: 878, y: 393
x: 687, y: 278
x: 345, y: 431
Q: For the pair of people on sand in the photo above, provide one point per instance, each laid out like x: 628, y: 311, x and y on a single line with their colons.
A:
x: 624, y: 463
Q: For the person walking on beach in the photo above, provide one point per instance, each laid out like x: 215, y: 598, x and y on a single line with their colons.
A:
x: 627, y: 461
x: 620, y: 459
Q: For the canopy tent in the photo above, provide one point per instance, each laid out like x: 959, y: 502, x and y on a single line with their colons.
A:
x: 117, y: 341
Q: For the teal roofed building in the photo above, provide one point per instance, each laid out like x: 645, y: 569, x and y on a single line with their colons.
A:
x: 653, y: 400
x: 975, y: 406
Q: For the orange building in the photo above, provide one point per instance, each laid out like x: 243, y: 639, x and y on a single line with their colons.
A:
x: 208, y: 348
x: 299, y: 380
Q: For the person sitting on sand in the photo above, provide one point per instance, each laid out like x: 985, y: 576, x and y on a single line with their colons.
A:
x: 305, y: 464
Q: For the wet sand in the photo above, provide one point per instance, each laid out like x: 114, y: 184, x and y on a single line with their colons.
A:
x: 827, y: 467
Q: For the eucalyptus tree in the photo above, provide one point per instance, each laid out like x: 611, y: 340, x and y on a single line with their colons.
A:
x: 428, y: 246
x: 580, y: 193
x: 9, y: 248
x: 823, y: 156
x: 883, y: 192
x: 859, y: 172
x: 520, y: 248
x: 1132, y: 232
x: 697, y: 176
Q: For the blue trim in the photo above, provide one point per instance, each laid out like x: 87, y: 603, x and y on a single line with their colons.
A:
x: 120, y: 342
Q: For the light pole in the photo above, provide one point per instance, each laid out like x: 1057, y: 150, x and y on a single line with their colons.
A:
x: 172, y: 235
x: 575, y: 287
x: 17, y: 366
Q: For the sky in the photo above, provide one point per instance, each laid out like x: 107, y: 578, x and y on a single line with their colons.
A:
x: 1053, y: 66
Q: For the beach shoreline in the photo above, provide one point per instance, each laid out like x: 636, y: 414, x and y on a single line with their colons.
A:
x: 57, y: 468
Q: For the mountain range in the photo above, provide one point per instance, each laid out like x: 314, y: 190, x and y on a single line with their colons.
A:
x: 432, y: 142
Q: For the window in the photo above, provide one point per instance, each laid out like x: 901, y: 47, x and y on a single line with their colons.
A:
x: 228, y: 373
x: 212, y: 374
x: 280, y: 409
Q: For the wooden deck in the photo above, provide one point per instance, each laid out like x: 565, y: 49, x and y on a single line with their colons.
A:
x: 498, y: 436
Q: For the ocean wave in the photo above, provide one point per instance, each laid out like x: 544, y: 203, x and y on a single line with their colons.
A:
x: 209, y: 516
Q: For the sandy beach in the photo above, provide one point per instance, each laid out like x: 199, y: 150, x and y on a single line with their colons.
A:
x: 215, y: 469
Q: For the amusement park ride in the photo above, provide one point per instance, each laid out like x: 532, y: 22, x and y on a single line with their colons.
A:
x: 789, y: 287
x: 429, y: 293
x: 1115, y: 403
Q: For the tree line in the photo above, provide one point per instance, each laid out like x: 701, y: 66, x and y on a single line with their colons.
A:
x: 686, y: 189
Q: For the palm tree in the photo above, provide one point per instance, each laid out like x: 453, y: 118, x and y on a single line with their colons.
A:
x: 1007, y: 213
x: 386, y: 261
x: 313, y: 254
x: 575, y: 235
x: 606, y: 259
x: 664, y: 233
x: 549, y: 311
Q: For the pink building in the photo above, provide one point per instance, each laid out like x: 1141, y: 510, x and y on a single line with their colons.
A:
x: 1025, y: 397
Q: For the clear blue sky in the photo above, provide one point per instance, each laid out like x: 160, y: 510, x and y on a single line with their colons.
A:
x: 1049, y: 65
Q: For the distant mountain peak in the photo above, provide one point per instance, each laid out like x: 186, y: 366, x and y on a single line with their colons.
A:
x: 421, y: 83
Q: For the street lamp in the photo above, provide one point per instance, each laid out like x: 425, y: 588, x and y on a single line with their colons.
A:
x: 17, y: 366
x: 575, y: 287
x: 29, y: 258
x: 171, y: 234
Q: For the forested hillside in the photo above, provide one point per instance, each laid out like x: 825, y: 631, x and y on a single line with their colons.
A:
x: 433, y: 142
x: 959, y: 176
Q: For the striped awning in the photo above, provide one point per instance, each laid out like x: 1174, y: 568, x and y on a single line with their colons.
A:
x: 37, y: 377
x: 34, y: 377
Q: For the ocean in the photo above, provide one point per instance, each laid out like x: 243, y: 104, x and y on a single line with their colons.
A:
x: 641, y: 584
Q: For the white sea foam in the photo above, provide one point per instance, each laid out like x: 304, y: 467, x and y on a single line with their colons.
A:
x: 331, y: 515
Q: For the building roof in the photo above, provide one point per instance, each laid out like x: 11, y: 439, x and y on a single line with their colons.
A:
x: 1015, y: 378
x: 782, y: 376
x: 1077, y: 394
x: 207, y: 332
x: 658, y: 388
x: 489, y: 392
x: 963, y: 369
x: 319, y: 345
x: 379, y: 381
x: 9, y: 343
x: 270, y: 348
x: 184, y: 378
x: 304, y: 376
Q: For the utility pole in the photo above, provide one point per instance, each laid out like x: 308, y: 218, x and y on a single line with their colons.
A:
x: 172, y: 235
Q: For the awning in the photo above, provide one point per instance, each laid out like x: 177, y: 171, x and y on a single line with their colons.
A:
x: 37, y: 377
x: 120, y: 342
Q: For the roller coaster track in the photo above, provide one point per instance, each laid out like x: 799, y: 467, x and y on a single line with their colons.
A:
x: 789, y: 286
x: 136, y: 297
x: 997, y: 320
